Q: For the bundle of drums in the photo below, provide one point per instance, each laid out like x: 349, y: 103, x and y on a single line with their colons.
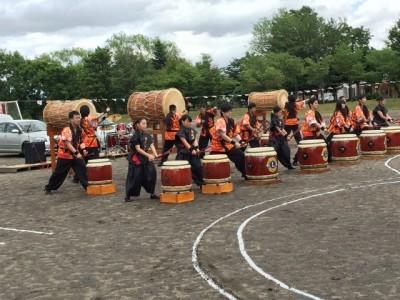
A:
x: 120, y: 138
x: 348, y: 148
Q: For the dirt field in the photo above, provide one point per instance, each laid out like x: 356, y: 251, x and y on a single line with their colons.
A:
x: 322, y: 236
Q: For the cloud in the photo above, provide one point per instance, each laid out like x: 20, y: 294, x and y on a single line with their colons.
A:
x: 221, y: 28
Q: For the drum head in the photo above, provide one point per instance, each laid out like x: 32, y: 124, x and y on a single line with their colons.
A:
x: 311, y: 142
x: 344, y: 137
x: 264, y: 136
x: 175, y: 163
x: 391, y: 128
x: 260, y: 149
x: 173, y: 96
x: 372, y: 132
x: 215, y: 157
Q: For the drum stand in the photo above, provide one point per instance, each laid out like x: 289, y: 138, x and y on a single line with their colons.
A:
x: 176, y: 197
x: 217, y: 188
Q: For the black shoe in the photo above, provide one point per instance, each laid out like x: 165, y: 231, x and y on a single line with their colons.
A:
x: 155, y: 197
x: 75, y: 180
x: 128, y: 199
x: 291, y: 168
x: 295, y: 163
x: 47, y: 192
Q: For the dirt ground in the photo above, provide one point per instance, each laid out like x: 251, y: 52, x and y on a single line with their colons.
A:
x: 324, y: 236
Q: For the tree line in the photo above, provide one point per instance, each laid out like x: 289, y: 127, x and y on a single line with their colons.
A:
x: 295, y: 49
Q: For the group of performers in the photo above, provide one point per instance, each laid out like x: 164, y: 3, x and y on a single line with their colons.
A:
x: 218, y: 135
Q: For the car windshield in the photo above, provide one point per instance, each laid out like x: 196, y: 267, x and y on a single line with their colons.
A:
x: 32, y: 126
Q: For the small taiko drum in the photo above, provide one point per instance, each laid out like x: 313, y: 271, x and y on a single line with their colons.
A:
x: 373, y: 142
x: 112, y: 140
x: 313, y: 155
x: 261, y: 164
x: 216, y: 168
x: 176, y: 176
x: 264, y: 140
x: 392, y: 138
x: 99, y: 171
x: 345, y: 147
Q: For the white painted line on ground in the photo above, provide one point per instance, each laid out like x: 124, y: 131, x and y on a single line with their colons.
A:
x: 24, y: 230
x: 2, y: 243
x: 255, y: 267
x: 196, y: 244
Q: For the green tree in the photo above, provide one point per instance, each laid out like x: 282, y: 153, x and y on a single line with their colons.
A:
x: 394, y: 37
x: 96, y: 81
x: 385, y: 63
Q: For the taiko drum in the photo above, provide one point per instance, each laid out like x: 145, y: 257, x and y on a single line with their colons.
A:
x: 261, y: 163
x: 216, y: 168
x: 345, y: 147
x: 99, y: 171
x: 176, y: 176
x: 313, y: 154
x: 373, y: 142
x: 392, y: 138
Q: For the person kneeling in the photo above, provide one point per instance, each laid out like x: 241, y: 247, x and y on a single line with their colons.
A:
x: 141, y: 169
x: 188, y: 148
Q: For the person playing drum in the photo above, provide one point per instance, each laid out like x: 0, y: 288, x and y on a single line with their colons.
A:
x: 226, y: 139
x: 340, y: 122
x: 188, y: 148
x: 361, y: 116
x: 313, y: 126
x: 69, y: 155
x: 172, y: 127
x: 250, y: 127
x: 141, y: 169
x: 205, y: 121
x: 380, y: 114
x: 278, y: 137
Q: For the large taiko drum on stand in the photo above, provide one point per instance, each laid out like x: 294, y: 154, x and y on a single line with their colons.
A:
x: 264, y: 140
x: 345, y: 148
x: 154, y: 105
x: 176, y: 176
x: 373, y: 142
x: 216, y: 168
x: 261, y: 164
x: 313, y: 155
x: 56, y: 113
x: 392, y: 138
x: 266, y: 101
x: 99, y: 171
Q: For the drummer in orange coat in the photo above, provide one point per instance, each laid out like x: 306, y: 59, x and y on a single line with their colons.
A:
x: 290, y: 118
x: 314, y: 126
x: 205, y: 121
x: 361, y: 116
x: 250, y: 127
x: 226, y: 139
x: 172, y: 127
x: 340, y: 122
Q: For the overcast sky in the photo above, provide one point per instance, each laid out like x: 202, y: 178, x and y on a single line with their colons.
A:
x: 220, y: 28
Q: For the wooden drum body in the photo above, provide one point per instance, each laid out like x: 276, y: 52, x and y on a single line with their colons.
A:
x: 373, y: 142
x: 261, y: 163
x: 345, y: 147
x: 176, y: 176
x: 264, y: 140
x: 313, y: 155
x: 55, y: 113
x: 266, y: 101
x: 392, y: 138
x: 99, y: 171
x: 216, y: 168
x: 154, y: 105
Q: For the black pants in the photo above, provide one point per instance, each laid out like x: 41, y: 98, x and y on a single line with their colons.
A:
x: 296, y: 132
x: 203, y: 144
x: 237, y: 157
x: 168, y: 145
x: 195, y: 163
x: 281, y: 147
x: 143, y: 175
x: 62, y: 168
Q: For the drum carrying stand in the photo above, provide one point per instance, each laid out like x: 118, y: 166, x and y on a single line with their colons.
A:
x: 176, y: 197
x: 217, y: 188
